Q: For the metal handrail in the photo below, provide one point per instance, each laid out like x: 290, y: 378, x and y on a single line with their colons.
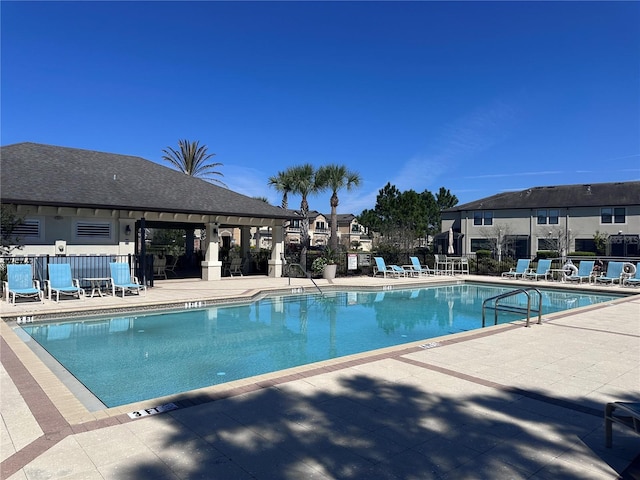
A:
x: 511, y: 308
x: 302, y: 269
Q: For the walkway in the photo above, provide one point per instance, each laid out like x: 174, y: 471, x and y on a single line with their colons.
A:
x: 503, y: 402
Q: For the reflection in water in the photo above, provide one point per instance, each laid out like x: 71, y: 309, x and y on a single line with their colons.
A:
x: 126, y: 359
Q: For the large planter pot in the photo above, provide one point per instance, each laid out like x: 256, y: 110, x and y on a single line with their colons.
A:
x: 329, y: 271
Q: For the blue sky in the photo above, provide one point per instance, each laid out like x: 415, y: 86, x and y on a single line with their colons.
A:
x: 478, y: 97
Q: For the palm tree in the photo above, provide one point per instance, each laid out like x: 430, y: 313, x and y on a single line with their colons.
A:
x: 304, y: 183
x: 282, y: 183
x: 192, y: 159
x: 336, y: 177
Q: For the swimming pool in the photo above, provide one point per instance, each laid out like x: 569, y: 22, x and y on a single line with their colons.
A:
x: 125, y: 359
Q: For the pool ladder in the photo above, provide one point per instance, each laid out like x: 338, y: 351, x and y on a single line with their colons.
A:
x: 302, y: 269
x: 513, y: 308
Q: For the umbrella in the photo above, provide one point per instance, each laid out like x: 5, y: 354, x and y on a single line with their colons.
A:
x: 450, y: 250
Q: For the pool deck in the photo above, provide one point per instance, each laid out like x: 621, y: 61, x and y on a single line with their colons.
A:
x: 505, y: 402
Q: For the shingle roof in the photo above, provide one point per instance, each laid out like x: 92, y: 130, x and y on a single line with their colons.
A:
x: 583, y: 195
x: 36, y: 174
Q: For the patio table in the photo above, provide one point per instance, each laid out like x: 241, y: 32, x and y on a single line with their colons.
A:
x: 97, y: 284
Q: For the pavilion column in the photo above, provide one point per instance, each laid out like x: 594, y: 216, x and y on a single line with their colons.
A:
x: 277, y: 251
x: 245, y: 248
x: 189, y: 245
x: 211, y: 265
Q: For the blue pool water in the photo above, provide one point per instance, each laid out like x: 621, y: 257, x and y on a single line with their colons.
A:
x: 136, y: 357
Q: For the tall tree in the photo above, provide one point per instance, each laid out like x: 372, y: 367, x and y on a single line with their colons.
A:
x: 335, y: 178
x: 193, y: 159
x: 304, y: 183
x: 10, y: 222
x: 402, y: 217
x: 283, y: 183
x: 445, y: 199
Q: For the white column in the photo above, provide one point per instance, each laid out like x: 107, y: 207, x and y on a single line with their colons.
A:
x: 211, y: 266
x: 277, y: 251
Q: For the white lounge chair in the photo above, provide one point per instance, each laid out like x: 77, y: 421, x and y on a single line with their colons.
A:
x: 585, y: 272
x: 20, y: 283
x: 522, y: 267
x: 121, y: 279
x: 384, y: 269
x: 418, y: 269
x: 61, y: 282
x: 543, y: 270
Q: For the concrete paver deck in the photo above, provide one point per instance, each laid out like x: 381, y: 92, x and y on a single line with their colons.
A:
x: 503, y: 402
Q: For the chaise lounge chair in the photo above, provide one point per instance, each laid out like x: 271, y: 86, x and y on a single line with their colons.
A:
x: 635, y: 279
x: 520, y: 270
x: 384, y: 269
x: 418, y: 269
x: 61, y: 282
x: 585, y: 272
x: 121, y: 279
x: 543, y: 270
x: 20, y: 283
x: 615, y: 273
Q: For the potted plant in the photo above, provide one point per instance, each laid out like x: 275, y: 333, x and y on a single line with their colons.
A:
x: 326, y: 264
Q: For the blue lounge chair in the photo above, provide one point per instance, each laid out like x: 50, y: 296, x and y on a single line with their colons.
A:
x: 20, y: 283
x: 635, y: 279
x: 384, y: 269
x: 121, y: 279
x: 543, y: 270
x: 521, y: 268
x: 61, y: 282
x: 418, y: 269
x: 585, y: 271
x: 615, y: 272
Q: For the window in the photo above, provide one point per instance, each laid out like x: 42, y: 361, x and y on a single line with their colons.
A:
x: 480, y: 244
x: 320, y: 226
x: 550, y: 217
x: 547, y: 244
x: 483, y: 218
x: 586, y: 245
x: 613, y: 215
x: 93, y: 230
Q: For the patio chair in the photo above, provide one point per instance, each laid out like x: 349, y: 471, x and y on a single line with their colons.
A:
x: 384, y: 269
x: 614, y: 273
x: 542, y: 270
x: 235, y: 267
x: 585, y: 272
x: 171, y: 268
x: 418, y: 269
x: 61, y: 282
x: 20, y: 283
x: 442, y: 265
x: 121, y: 279
x: 624, y: 413
x: 521, y: 268
x: 635, y: 279
x: 461, y: 265
x: 160, y: 266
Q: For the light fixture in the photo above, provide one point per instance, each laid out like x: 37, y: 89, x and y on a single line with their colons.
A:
x: 127, y: 230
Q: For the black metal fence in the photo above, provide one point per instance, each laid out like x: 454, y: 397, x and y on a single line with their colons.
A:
x: 83, y: 267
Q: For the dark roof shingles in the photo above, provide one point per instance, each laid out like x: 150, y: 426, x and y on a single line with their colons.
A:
x: 51, y: 175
